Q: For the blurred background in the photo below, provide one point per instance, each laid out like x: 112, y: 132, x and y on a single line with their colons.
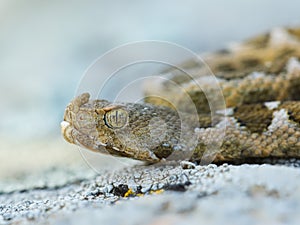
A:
x: 45, y: 47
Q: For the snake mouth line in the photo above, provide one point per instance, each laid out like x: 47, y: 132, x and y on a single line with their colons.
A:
x: 70, y: 133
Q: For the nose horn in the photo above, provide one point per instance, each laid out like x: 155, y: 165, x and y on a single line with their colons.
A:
x: 79, y: 101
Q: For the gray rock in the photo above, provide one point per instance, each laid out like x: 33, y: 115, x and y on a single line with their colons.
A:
x: 245, y: 194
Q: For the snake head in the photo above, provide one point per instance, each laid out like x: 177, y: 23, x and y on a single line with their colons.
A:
x: 130, y: 130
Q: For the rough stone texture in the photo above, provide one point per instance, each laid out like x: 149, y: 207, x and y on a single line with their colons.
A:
x: 164, y: 194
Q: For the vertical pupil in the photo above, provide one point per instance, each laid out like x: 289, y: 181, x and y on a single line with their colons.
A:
x: 116, y: 118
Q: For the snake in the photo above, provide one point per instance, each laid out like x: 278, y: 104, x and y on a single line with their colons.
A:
x: 260, y: 82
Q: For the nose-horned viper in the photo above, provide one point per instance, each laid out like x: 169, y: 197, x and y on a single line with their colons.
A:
x: 260, y: 82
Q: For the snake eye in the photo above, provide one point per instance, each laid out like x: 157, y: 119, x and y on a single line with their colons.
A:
x: 116, y: 118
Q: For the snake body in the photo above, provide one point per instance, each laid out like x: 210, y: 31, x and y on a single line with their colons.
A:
x: 260, y: 81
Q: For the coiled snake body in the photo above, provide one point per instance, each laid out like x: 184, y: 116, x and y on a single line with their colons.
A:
x: 260, y: 81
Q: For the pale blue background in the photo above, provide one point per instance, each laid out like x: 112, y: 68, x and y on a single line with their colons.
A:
x: 45, y: 46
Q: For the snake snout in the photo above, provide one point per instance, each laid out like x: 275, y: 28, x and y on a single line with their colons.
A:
x: 66, y: 130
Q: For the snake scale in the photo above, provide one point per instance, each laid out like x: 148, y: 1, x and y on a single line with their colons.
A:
x: 260, y: 82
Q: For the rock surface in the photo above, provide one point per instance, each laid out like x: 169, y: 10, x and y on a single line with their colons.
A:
x: 164, y: 194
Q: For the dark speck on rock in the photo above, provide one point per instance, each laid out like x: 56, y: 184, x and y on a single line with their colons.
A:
x: 120, y: 190
x: 177, y: 187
